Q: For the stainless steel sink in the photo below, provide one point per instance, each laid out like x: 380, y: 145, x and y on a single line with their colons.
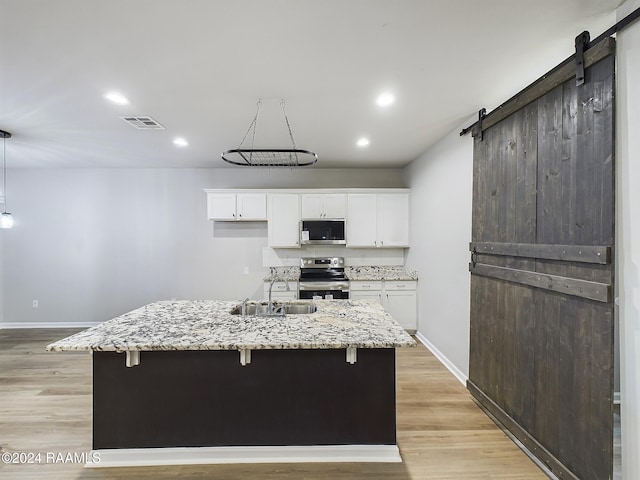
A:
x: 280, y: 308
x: 252, y: 309
x: 299, y: 308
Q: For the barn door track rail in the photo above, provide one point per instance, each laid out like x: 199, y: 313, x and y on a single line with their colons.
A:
x: 587, y: 53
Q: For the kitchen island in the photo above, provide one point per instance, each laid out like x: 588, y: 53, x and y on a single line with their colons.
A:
x: 179, y: 382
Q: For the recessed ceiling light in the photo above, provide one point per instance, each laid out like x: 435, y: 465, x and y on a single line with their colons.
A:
x: 180, y: 142
x: 362, y: 142
x: 385, y: 99
x: 117, y: 98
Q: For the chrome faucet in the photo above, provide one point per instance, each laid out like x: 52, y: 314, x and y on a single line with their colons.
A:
x: 270, y: 309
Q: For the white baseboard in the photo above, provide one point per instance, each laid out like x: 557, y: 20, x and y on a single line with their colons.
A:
x: 462, y: 378
x: 47, y: 325
x: 139, y: 457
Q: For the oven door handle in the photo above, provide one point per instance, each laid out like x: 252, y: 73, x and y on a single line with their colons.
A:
x: 342, y: 286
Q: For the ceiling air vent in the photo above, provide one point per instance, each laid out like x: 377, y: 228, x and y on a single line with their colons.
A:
x: 143, y: 123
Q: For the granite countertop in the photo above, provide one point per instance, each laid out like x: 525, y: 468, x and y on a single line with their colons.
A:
x: 352, y: 273
x: 381, y: 273
x: 290, y: 274
x: 209, y: 325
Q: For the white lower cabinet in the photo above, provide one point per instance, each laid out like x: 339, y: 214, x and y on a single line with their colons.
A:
x: 398, y: 298
x: 279, y: 291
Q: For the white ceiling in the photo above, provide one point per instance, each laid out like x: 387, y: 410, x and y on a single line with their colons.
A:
x: 199, y: 67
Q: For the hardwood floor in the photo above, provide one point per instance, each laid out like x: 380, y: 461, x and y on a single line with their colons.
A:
x: 45, y: 406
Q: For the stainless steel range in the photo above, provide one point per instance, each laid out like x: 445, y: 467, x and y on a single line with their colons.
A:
x: 323, y: 278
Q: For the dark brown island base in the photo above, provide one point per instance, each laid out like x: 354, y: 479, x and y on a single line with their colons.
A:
x: 190, y: 382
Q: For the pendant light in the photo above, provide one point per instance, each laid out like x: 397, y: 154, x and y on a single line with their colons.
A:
x: 6, y: 220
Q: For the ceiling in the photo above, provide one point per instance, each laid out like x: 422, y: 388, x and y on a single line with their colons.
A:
x: 199, y: 67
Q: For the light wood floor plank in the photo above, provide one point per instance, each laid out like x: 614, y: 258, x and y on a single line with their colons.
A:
x: 45, y: 406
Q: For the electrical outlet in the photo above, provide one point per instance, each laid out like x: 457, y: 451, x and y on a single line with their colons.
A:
x: 35, y: 304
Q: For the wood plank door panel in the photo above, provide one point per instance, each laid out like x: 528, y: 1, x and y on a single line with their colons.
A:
x: 541, y: 333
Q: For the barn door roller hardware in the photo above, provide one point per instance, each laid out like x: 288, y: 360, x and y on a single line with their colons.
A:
x: 482, y: 113
x: 582, y: 43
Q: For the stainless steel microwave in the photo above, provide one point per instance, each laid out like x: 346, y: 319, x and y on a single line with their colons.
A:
x: 323, y: 232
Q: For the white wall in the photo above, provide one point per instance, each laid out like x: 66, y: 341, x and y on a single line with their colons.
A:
x: 441, y: 188
x: 628, y: 237
x: 90, y: 244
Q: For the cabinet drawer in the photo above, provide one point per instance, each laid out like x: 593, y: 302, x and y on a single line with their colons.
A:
x: 399, y: 285
x: 282, y: 287
x: 283, y: 295
x: 365, y: 286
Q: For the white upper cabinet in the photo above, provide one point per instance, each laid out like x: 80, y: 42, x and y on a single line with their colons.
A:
x: 335, y: 205
x: 311, y: 205
x: 362, y: 220
x: 221, y: 206
x: 240, y: 206
x: 323, y: 205
x: 393, y: 220
x: 378, y: 220
x: 251, y: 206
x: 283, y: 227
x: 375, y: 218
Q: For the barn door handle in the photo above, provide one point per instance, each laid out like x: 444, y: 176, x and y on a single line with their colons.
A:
x: 474, y: 257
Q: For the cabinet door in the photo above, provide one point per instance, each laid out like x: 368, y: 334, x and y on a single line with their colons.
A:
x: 363, y: 290
x: 251, y: 206
x: 311, y: 205
x: 283, y: 220
x: 221, y: 206
x: 334, y: 205
x: 402, y: 306
x: 361, y: 220
x: 393, y: 220
x: 366, y: 295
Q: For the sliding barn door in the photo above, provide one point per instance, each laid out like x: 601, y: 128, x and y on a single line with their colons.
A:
x: 541, y: 346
